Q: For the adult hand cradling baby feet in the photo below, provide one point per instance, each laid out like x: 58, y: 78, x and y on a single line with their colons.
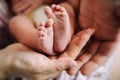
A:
x: 24, y: 62
x: 105, y: 19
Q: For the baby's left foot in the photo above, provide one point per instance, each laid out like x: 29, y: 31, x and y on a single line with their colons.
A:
x: 45, y: 37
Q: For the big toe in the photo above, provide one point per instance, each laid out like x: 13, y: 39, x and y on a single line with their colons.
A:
x: 41, y: 26
x: 57, y: 8
x: 48, y: 12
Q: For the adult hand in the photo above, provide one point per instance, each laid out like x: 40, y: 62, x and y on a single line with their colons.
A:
x: 20, y: 61
x: 25, y: 6
x: 104, y: 16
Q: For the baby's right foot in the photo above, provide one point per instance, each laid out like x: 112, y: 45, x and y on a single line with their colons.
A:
x: 45, y: 37
x: 61, y: 26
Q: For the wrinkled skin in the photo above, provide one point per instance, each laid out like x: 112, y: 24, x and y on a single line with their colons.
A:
x: 104, y: 16
x: 21, y: 61
x: 18, y: 60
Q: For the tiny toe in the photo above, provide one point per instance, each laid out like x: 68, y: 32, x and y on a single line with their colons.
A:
x: 53, y: 6
x: 42, y: 38
x: 62, y: 9
x: 58, y: 7
x: 48, y: 11
x: 41, y: 29
x: 42, y: 24
x: 49, y: 22
x: 41, y: 34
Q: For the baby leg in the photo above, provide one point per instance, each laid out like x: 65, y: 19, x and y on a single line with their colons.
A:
x: 24, y: 30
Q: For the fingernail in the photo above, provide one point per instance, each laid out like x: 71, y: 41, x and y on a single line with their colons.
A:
x: 91, y: 30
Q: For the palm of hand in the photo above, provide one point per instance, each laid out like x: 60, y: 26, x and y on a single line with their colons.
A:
x: 101, y: 15
x: 29, y: 64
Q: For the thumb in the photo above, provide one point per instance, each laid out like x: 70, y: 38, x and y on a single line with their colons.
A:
x: 63, y: 63
x: 77, y: 43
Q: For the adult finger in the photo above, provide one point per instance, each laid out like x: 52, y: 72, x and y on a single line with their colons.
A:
x: 16, y: 7
x: 62, y: 64
x: 77, y: 43
x: 13, y: 2
x: 26, y: 62
x: 29, y: 9
x: 85, y: 57
x: 105, y: 51
x: 23, y: 8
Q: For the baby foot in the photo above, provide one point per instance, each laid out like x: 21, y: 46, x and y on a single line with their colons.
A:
x: 61, y: 26
x: 45, y: 37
